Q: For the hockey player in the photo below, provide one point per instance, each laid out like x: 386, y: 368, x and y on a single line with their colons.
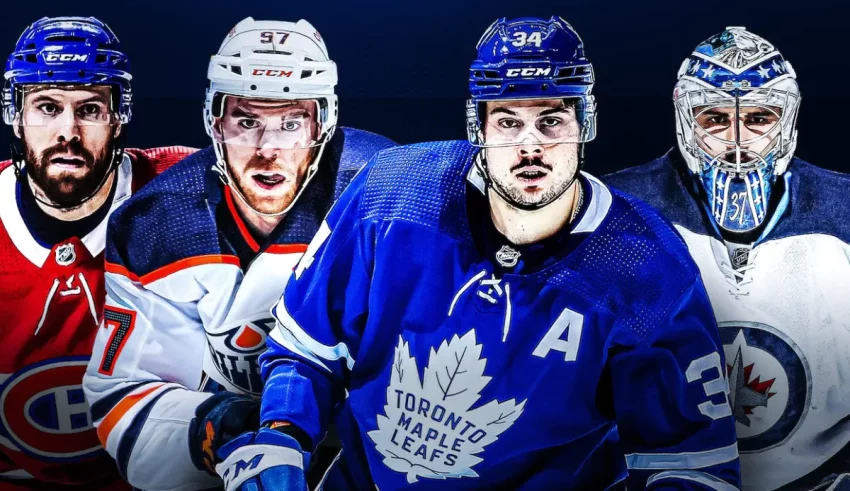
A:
x: 68, y: 99
x: 769, y: 234
x: 488, y: 315
x: 196, y: 261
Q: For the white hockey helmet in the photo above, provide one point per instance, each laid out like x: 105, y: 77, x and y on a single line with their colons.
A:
x: 273, y: 60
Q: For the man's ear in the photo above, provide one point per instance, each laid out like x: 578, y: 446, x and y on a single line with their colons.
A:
x: 118, y: 129
x: 18, y: 130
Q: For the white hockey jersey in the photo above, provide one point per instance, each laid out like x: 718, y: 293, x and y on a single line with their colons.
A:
x: 187, y: 309
x: 783, y: 308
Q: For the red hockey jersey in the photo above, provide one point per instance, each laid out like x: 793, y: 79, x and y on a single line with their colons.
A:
x: 51, y: 303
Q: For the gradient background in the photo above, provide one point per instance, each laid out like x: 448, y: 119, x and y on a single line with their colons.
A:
x: 403, y: 64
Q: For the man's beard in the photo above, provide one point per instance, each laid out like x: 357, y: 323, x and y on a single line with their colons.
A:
x: 518, y: 197
x: 67, y: 190
x: 288, y: 190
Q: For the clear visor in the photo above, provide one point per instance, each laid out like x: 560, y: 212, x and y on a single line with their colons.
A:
x: 268, y: 123
x: 738, y: 132
x: 66, y: 105
x: 505, y: 123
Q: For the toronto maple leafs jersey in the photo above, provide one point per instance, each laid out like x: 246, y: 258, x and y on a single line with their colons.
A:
x: 51, y: 303
x: 188, y: 294
x: 784, y: 316
x: 439, y: 360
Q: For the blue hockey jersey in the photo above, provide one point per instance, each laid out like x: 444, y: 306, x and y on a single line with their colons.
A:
x: 188, y: 294
x: 439, y: 361
x: 781, y: 306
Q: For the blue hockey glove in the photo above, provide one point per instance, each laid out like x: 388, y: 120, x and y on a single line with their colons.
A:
x: 219, y: 419
x: 267, y: 460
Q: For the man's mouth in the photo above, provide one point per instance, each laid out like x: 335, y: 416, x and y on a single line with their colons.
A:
x: 268, y: 180
x: 68, y: 161
x: 531, y: 175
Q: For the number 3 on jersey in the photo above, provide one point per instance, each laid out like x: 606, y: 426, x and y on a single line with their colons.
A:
x: 121, y: 322
x: 717, y: 385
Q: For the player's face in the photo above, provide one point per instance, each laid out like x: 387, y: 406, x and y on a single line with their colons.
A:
x: 268, y: 148
x: 531, y: 172
x: 67, y: 135
x: 755, y: 128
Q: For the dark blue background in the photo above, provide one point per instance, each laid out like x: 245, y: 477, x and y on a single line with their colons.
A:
x: 403, y: 64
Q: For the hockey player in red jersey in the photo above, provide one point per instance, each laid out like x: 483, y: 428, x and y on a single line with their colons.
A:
x: 68, y: 100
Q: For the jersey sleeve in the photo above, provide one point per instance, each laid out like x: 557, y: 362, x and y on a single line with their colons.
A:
x: 670, y: 401
x: 320, y: 318
x: 147, y: 359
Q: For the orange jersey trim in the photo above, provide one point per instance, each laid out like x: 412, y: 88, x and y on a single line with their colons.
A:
x: 287, y: 249
x: 172, y: 268
x: 114, y: 416
x: 246, y: 234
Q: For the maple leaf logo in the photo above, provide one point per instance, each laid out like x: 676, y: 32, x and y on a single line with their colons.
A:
x: 429, y: 428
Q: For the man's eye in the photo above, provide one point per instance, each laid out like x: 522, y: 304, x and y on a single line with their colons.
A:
x: 291, y: 125
x: 549, y: 122
x: 249, y: 124
x: 509, y: 123
x: 717, y: 120
x: 49, y: 108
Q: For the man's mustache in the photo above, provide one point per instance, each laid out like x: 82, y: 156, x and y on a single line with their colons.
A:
x: 529, y: 162
x: 74, y: 148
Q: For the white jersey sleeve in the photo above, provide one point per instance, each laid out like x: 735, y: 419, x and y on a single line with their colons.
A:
x: 147, y: 364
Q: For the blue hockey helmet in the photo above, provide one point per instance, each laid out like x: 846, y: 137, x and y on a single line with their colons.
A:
x: 736, y: 102
x: 68, y: 51
x: 531, y: 58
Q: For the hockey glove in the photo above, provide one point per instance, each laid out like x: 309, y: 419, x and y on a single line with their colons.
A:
x: 267, y: 460
x: 219, y: 419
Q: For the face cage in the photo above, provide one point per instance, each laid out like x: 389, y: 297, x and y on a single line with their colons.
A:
x: 121, y: 97
x: 585, y: 109
x: 213, y: 109
x: 781, y: 148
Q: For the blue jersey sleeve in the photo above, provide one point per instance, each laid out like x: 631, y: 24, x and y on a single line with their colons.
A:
x: 670, y: 401
x: 320, y: 316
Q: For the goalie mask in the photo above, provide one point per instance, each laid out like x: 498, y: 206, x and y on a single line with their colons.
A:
x: 736, y: 103
x: 271, y: 93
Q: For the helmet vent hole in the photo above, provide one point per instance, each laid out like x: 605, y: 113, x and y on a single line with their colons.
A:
x: 31, y: 46
x: 101, y: 58
x: 32, y: 59
x: 82, y: 73
x: 319, y: 72
x: 253, y: 87
x: 286, y: 89
x: 66, y: 39
x: 306, y: 73
x: 236, y: 69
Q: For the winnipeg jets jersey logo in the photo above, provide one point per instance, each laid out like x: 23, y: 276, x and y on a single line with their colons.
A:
x: 769, y: 384
x: 429, y: 427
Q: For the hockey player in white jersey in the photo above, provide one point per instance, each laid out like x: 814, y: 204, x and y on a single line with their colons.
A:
x: 195, y: 262
x: 770, y: 235
x: 480, y: 315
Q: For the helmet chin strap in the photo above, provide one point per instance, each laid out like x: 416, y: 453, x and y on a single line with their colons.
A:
x: 19, y: 162
x: 224, y: 174
x: 480, y: 163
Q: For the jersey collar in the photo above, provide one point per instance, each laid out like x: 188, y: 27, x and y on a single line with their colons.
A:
x: 19, y: 233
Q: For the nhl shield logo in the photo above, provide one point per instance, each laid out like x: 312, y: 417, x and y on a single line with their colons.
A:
x: 507, y: 257
x: 65, y: 254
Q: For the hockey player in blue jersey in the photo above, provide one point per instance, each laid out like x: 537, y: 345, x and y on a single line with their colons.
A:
x: 769, y: 234
x: 195, y: 262
x: 481, y: 315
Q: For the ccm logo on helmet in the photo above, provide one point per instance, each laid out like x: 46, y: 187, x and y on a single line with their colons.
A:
x: 259, y: 72
x: 528, y: 72
x: 65, y: 57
